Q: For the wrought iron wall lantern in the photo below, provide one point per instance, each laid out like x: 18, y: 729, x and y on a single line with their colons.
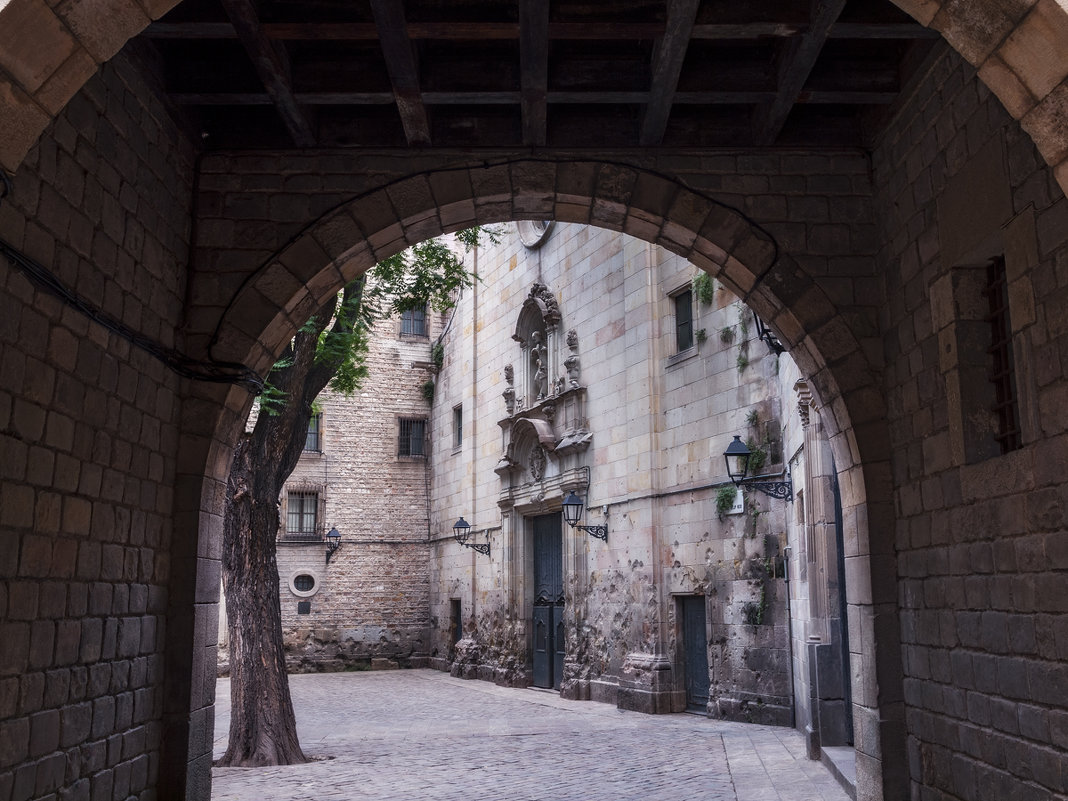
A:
x: 333, y: 542
x: 767, y: 336
x: 737, y: 457
x: 461, y: 530
x: 573, y: 513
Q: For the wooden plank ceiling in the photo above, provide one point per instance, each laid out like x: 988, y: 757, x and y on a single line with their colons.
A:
x: 538, y: 73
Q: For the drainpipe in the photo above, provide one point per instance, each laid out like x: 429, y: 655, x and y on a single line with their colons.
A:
x: 474, y: 424
x: 789, y: 636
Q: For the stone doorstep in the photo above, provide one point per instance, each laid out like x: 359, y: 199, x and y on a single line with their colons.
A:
x: 841, y: 761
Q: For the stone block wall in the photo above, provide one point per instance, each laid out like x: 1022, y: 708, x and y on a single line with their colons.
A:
x: 370, y: 605
x: 980, y: 540
x: 88, y: 437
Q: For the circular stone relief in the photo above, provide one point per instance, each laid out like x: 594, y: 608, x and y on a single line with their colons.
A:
x: 533, y: 233
x: 304, y: 583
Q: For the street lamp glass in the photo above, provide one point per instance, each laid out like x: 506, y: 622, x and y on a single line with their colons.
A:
x: 737, y: 458
x: 572, y: 509
x: 461, y: 530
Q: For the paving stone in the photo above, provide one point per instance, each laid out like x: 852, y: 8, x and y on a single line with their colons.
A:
x: 422, y: 734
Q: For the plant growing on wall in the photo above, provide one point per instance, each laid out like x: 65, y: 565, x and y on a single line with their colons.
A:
x: 754, y: 612
x: 725, y: 497
x: 726, y: 335
x: 428, y: 391
x: 702, y: 335
x: 329, y: 350
x: 704, y: 287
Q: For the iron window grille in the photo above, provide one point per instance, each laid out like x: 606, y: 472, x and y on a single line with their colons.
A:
x: 1002, y: 373
x: 302, y: 516
x: 411, y: 439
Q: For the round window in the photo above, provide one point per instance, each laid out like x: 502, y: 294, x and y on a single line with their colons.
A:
x: 533, y: 233
x: 303, y: 583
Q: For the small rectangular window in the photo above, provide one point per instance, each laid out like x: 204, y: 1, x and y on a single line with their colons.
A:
x: 413, y: 323
x: 1002, y: 373
x: 457, y: 426
x: 411, y: 440
x: 302, y: 512
x: 683, y: 320
x: 313, y: 441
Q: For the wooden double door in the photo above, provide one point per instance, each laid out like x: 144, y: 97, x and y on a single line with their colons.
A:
x: 547, y: 619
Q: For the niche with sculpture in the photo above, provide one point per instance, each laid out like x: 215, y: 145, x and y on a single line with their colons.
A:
x: 545, y: 426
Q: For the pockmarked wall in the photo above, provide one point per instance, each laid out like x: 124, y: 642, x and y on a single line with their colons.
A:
x: 88, y: 443
x: 645, y: 423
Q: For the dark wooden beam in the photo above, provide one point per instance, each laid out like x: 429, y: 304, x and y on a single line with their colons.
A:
x: 534, y: 68
x: 795, y: 65
x: 272, y: 66
x: 668, y: 56
x: 505, y: 31
x: 403, y: 69
x: 740, y: 98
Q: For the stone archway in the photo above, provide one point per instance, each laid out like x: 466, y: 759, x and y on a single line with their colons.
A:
x: 276, y: 298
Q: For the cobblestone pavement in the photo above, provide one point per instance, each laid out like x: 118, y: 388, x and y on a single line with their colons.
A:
x: 421, y: 734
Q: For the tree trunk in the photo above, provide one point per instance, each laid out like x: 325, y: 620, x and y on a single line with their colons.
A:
x: 263, y: 729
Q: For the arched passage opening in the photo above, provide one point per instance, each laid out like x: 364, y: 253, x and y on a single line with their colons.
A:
x: 720, y: 240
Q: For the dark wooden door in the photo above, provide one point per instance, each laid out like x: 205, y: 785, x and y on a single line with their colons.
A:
x: 695, y: 651
x: 548, y: 614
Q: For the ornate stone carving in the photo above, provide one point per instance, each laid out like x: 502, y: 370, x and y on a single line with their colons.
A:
x: 551, y: 308
x: 538, y: 358
x: 537, y: 463
x: 804, y: 401
x: 509, y: 391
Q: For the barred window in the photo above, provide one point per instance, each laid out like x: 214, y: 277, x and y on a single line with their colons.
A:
x: 313, y: 442
x: 412, y: 437
x: 302, y: 512
x: 413, y: 322
x: 1002, y: 374
x: 683, y: 321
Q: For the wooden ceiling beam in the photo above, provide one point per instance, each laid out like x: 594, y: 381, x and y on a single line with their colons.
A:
x: 403, y: 70
x: 505, y: 31
x: 738, y: 98
x: 794, y: 67
x: 534, y: 69
x: 272, y: 66
x: 668, y: 56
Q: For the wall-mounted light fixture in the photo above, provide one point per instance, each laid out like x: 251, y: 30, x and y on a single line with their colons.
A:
x: 333, y: 542
x: 573, y: 513
x: 461, y: 530
x: 767, y: 336
x: 737, y: 456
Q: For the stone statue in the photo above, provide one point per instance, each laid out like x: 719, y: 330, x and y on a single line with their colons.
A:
x: 538, y: 359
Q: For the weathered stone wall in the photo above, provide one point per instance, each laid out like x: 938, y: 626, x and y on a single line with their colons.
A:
x: 371, y: 602
x: 981, y: 543
x: 88, y: 437
x: 659, y: 422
